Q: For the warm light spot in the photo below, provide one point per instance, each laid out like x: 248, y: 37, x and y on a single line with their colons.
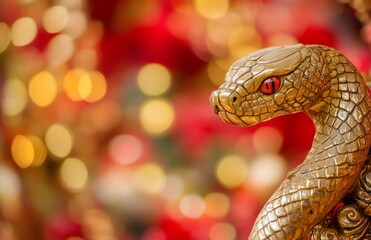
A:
x: 60, y: 49
x: 156, y: 116
x: 14, y: 98
x: 11, y: 192
x: 217, y: 205
x: 243, y: 40
x: 73, y: 173
x: 40, y: 151
x: 215, y: 73
x: 72, y: 85
x: 59, y: 140
x: 267, y: 140
x: 212, y: 9
x: 150, y: 178
x: 43, y: 89
x: 84, y: 86
x: 28, y: 150
x: 222, y: 231
x: 267, y: 171
x: 154, y: 79
x: 23, y: 151
x: 192, y: 206
x: 114, y: 185
x: 98, y: 87
x: 125, y: 149
x: 77, y: 24
x: 23, y: 31
x: 231, y: 171
x: 5, y: 36
x: 55, y: 19
x: 218, y: 31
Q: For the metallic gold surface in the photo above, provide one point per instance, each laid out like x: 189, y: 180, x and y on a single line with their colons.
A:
x: 323, y: 83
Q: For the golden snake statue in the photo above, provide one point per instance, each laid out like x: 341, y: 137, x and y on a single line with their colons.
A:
x: 329, y: 195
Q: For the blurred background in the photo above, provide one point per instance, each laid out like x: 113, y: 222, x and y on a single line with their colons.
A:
x: 106, y: 128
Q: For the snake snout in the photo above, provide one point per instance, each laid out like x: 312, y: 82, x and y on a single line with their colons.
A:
x: 215, y: 102
x: 226, y: 100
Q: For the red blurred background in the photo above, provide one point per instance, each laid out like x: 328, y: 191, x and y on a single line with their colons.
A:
x: 107, y: 132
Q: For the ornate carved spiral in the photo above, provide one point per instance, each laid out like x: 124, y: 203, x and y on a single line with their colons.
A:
x: 364, y: 194
x: 321, y: 233
x: 352, y: 223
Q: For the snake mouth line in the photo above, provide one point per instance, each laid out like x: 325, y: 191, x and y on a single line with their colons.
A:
x: 232, y: 119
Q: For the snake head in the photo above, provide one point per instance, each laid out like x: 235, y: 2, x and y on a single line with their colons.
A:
x: 265, y: 84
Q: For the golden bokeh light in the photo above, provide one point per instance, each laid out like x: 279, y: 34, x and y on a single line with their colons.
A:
x: 125, y: 149
x: 222, y: 231
x: 23, y: 151
x: 192, y: 206
x: 267, y: 140
x: 114, y: 185
x: 43, y: 88
x: 150, y: 178
x: 60, y: 49
x: 40, y: 151
x: 14, y: 98
x: 97, y: 87
x: 73, y: 174
x: 77, y: 24
x: 156, y: 116
x: 82, y: 85
x: 217, y: 205
x: 231, y: 171
x: 28, y: 151
x: 11, y: 192
x: 212, y: 9
x: 243, y: 40
x: 72, y: 85
x: 218, y: 32
x: 23, y: 31
x: 267, y: 171
x: 154, y: 79
x: 59, y: 140
x: 55, y: 19
x: 5, y: 36
x: 216, y: 73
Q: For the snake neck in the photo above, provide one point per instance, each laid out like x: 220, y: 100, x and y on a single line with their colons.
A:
x: 342, y: 117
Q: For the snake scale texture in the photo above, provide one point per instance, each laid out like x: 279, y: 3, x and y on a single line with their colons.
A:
x: 323, y: 83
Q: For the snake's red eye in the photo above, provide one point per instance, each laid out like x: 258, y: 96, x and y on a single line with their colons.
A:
x: 270, y: 85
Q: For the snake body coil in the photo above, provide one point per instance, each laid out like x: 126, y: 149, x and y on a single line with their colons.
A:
x: 323, y: 83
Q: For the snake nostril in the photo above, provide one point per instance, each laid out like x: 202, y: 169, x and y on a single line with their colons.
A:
x: 214, y: 100
x: 234, y: 99
x: 216, y: 109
